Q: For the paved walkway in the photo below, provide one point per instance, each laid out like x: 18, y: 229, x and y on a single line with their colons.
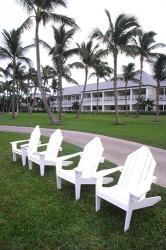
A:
x: 115, y: 150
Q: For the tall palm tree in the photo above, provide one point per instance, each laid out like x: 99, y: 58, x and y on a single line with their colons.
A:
x: 89, y: 55
x: 143, y: 47
x: 101, y: 70
x: 13, y: 52
x: 42, y: 12
x: 116, y: 39
x: 128, y: 74
x: 159, y: 74
x: 60, y: 53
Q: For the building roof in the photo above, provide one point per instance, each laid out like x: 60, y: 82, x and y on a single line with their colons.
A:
x: 147, y: 80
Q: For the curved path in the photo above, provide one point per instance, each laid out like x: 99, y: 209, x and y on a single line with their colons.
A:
x: 115, y: 150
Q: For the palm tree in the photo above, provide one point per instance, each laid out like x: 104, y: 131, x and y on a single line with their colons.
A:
x: 60, y: 53
x: 32, y: 84
x: 20, y: 77
x: 46, y: 75
x: 128, y: 74
x: 143, y: 47
x: 14, y: 52
x: 116, y: 39
x: 102, y: 70
x: 89, y: 55
x: 159, y: 74
x: 42, y: 11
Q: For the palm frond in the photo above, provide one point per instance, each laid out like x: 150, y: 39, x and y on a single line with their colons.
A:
x: 109, y: 19
x: 27, y: 4
x: 97, y: 33
x: 77, y: 65
x: 27, y: 24
x: 45, y: 45
x: 26, y: 60
x: 63, y: 19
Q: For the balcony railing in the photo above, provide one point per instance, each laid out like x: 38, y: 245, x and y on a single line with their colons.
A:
x: 162, y: 98
x: 136, y: 96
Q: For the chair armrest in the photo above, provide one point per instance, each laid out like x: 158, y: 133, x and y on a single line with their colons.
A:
x: 139, y: 192
x: 16, y: 142
x: 41, y: 153
x: 42, y: 145
x: 66, y: 157
x: 105, y: 172
x: 24, y: 146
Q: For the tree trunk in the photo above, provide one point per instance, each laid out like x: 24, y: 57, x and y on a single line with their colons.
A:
x: 97, y: 106
x: 118, y: 121
x: 53, y: 119
x: 140, y: 85
x: 157, y: 101
x: 83, y: 93
x: 126, y: 97
x: 13, y: 89
x: 17, y: 103
x: 60, y: 91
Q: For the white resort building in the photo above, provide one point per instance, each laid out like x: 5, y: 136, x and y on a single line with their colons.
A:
x: 106, y: 95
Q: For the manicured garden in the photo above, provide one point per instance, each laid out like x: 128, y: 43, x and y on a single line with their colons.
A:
x: 34, y: 215
x: 142, y: 129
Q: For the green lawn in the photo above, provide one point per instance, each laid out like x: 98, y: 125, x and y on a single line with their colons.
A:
x: 34, y: 215
x: 142, y: 129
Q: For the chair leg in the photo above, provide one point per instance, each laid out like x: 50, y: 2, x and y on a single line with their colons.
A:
x: 30, y: 165
x: 98, y: 203
x: 14, y: 157
x: 127, y: 220
x: 59, y: 182
x: 77, y: 190
x: 23, y: 159
x: 42, y: 169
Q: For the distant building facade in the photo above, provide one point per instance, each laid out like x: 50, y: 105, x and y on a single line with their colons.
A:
x: 106, y: 95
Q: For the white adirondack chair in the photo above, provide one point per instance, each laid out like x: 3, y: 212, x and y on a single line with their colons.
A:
x: 135, y: 181
x: 48, y: 157
x: 87, y: 166
x: 31, y: 144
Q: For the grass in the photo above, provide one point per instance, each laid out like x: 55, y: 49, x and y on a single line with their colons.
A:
x: 142, y: 129
x: 35, y: 216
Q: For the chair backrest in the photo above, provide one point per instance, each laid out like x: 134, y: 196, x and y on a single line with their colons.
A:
x: 91, y: 156
x: 34, y: 139
x: 54, y: 143
x: 138, y: 169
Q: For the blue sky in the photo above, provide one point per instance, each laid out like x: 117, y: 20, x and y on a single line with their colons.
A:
x: 89, y: 14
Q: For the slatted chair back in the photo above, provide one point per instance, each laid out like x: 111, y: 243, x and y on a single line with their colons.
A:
x: 138, y: 169
x: 54, y: 144
x: 91, y: 157
x: 34, y: 140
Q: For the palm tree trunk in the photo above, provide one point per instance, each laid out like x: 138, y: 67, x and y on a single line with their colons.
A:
x: 140, y: 85
x: 53, y: 119
x: 17, y: 99
x: 10, y: 103
x: 126, y: 97
x: 97, y: 106
x: 83, y: 93
x: 13, y: 89
x: 60, y: 93
x: 157, y: 101
x: 118, y: 122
